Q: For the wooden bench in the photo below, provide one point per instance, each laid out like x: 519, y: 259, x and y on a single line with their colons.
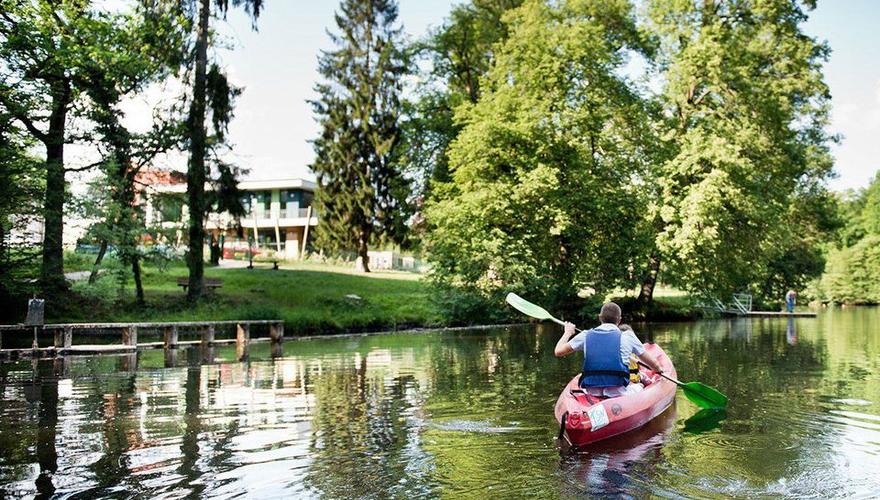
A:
x: 208, y: 283
x: 273, y: 261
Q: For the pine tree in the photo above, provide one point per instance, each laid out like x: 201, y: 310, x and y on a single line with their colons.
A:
x: 362, y: 195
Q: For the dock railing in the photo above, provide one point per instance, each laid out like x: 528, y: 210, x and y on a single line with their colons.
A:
x: 63, y: 336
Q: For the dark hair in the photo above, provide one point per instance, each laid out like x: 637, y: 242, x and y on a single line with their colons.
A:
x: 625, y: 328
x: 610, y: 313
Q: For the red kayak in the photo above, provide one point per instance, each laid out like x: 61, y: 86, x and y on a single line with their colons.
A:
x: 585, y: 419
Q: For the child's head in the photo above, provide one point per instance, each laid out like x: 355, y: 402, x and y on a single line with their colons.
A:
x: 625, y: 328
x: 610, y: 313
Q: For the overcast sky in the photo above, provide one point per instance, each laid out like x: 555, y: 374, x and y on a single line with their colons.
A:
x: 277, y: 68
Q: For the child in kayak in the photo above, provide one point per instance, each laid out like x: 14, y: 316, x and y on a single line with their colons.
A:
x: 606, y: 354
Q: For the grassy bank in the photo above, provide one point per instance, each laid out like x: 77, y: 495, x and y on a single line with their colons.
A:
x: 309, y: 298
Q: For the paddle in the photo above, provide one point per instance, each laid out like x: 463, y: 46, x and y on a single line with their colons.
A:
x: 700, y: 394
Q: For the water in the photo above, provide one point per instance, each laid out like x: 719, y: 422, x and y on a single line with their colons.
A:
x: 455, y: 414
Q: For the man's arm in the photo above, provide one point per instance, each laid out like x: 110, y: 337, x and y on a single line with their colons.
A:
x: 562, y: 347
x: 651, y: 361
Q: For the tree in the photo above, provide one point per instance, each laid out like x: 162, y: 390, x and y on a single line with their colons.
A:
x: 852, y: 271
x: 548, y: 170
x: 21, y: 184
x: 209, y: 87
x: 746, y: 106
x: 362, y: 194
x: 459, y: 54
x: 37, y: 88
x: 136, y: 49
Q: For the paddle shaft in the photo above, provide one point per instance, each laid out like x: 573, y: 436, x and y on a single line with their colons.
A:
x: 662, y: 375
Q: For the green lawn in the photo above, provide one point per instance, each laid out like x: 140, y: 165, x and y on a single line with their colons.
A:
x: 310, y: 298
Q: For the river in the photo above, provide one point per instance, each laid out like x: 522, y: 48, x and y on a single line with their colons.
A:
x: 466, y: 413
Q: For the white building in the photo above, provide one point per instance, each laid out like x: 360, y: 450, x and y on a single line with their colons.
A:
x: 278, y: 216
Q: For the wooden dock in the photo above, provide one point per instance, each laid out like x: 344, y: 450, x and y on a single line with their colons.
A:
x: 770, y: 314
x: 63, y: 337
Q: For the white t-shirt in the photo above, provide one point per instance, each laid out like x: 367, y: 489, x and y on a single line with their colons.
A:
x: 629, y: 343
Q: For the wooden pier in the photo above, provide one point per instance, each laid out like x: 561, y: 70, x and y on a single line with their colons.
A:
x: 63, y: 337
x: 769, y: 314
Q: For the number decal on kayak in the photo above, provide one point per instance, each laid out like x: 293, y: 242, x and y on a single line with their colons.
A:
x: 598, y: 417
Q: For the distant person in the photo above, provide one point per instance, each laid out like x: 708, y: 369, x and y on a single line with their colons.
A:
x: 606, y: 354
x: 790, y: 299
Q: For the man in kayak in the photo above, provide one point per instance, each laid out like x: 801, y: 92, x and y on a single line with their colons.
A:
x: 606, y: 354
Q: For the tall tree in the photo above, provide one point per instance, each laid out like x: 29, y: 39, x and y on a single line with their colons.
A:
x: 209, y: 87
x: 547, y: 171
x: 137, y: 48
x: 362, y: 193
x: 21, y: 185
x: 746, y: 106
x: 37, y: 88
x: 458, y: 55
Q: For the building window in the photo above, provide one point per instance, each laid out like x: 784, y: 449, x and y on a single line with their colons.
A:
x: 170, y: 207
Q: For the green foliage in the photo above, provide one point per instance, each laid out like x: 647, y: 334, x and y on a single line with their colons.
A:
x: 362, y: 193
x: 852, y: 273
x: 21, y: 184
x: 548, y: 168
x: 106, y: 288
x: 458, y: 54
x: 746, y: 106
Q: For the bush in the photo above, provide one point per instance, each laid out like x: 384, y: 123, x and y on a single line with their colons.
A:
x: 463, y: 306
x: 258, y: 311
x: 679, y: 309
x: 106, y: 288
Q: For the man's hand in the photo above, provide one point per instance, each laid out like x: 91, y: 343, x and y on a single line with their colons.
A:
x: 562, y: 347
x: 651, y: 361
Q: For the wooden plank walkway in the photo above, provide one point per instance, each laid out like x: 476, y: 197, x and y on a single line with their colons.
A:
x: 771, y: 314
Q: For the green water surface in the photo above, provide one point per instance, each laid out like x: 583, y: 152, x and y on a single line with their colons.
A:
x: 451, y: 414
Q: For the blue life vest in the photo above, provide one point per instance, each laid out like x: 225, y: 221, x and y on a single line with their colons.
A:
x: 603, y: 366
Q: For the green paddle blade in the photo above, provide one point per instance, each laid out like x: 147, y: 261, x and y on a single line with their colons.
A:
x: 524, y: 306
x: 704, y: 396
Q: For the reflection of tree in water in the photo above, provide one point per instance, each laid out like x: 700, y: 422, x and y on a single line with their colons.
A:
x: 365, y: 433
x: 113, y: 398
x: 751, y: 361
x: 189, y: 445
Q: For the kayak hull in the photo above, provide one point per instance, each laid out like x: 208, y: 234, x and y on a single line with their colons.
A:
x: 586, y: 419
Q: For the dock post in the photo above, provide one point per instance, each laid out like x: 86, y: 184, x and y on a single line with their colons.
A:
x: 130, y: 335
x: 171, y: 357
x: 276, y: 331
x: 171, y: 337
x: 208, y: 336
x: 64, y: 338
x: 61, y: 367
x: 242, y: 338
x: 128, y: 362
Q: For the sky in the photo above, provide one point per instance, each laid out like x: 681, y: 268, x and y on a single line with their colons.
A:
x: 277, y: 66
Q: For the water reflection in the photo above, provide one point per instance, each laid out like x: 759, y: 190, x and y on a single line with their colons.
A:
x: 464, y: 413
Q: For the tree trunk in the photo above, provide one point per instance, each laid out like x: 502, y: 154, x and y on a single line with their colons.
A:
x: 215, y: 250
x: 195, y: 186
x: 52, y: 273
x: 138, y: 284
x: 649, y: 280
x: 101, y: 251
x: 363, y: 262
